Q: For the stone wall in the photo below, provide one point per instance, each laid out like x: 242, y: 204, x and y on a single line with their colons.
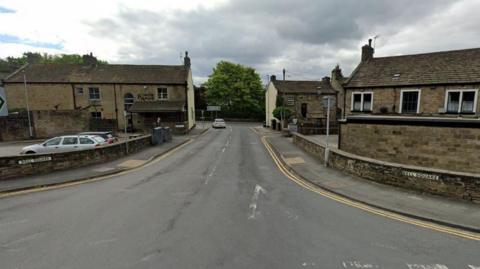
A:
x: 458, y: 185
x: 52, y: 123
x: 444, y: 144
x: 18, y: 166
x: 14, y: 127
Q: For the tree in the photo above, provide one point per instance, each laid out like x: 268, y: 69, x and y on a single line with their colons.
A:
x: 287, y: 113
x: 237, y: 89
x: 11, y: 64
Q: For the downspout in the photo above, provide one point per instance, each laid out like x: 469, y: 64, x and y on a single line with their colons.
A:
x: 116, y: 108
x: 73, y: 97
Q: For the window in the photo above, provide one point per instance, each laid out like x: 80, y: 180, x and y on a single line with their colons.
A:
x: 86, y: 141
x: 362, y: 101
x: 290, y: 101
x: 53, y: 142
x: 70, y: 141
x: 94, y: 93
x: 304, y: 110
x: 96, y: 115
x: 410, y: 101
x: 162, y: 93
x: 79, y: 90
x: 128, y: 100
x: 461, y: 101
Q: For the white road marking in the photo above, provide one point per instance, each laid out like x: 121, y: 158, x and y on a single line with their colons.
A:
x: 357, y: 264
x: 218, y: 161
x: 473, y: 267
x: 253, y: 201
x: 308, y: 264
x: 426, y: 266
x: 13, y: 222
x: 24, y: 239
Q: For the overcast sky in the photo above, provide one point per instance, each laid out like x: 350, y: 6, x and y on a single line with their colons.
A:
x: 306, y: 37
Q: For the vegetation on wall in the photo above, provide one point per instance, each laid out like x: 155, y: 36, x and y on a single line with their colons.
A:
x: 237, y: 89
x: 287, y: 113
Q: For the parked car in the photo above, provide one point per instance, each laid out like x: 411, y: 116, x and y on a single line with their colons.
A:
x: 65, y: 143
x: 108, y: 136
x: 219, y: 123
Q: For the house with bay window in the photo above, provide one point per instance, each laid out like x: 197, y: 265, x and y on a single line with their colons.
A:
x: 440, y: 84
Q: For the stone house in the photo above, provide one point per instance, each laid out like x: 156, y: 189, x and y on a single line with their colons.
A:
x: 441, y: 84
x: 136, y: 96
x: 419, y: 110
x: 304, y: 98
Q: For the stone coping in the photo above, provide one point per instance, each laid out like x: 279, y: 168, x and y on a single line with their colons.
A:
x: 413, y: 120
x: 390, y: 164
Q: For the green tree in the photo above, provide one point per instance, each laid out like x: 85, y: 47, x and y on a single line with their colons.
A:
x: 287, y: 113
x: 237, y: 89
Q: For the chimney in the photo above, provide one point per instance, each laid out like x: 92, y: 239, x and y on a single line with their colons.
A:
x: 326, y: 79
x: 186, y: 60
x: 367, y: 51
x: 283, y: 74
x: 337, y: 73
x: 89, y: 59
x: 273, y: 78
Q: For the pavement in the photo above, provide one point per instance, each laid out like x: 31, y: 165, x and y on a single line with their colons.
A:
x: 454, y: 213
x: 217, y: 202
x: 93, y: 171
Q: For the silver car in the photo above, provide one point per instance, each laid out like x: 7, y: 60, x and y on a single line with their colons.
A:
x: 219, y: 123
x: 65, y: 143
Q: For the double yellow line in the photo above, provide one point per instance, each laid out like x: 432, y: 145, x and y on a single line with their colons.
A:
x: 373, y: 210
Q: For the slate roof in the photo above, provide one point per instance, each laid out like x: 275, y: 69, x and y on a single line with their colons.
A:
x: 157, y: 106
x: 309, y: 87
x: 110, y: 73
x: 446, y: 67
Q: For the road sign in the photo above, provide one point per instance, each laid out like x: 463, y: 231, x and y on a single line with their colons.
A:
x: 213, y: 108
x: 3, y: 103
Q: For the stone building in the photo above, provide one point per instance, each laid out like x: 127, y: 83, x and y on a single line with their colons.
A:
x: 139, y: 96
x: 304, y: 98
x: 419, y: 110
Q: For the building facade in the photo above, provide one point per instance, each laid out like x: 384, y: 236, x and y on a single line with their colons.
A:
x: 134, y: 96
x: 303, y: 98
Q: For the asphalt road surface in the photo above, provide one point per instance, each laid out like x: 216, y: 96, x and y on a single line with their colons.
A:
x: 219, y: 202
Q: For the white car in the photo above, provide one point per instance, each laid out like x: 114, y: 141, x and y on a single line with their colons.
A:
x: 65, y: 143
x: 219, y: 123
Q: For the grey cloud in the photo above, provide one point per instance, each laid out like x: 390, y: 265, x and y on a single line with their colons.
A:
x: 303, y: 36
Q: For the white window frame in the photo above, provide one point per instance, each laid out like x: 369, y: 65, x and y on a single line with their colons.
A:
x: 99, y: 94
x: 400, y: 110
x: 461, y: 100
x: 160, y: 96
x: 290, y: 100
x: 361, y: 101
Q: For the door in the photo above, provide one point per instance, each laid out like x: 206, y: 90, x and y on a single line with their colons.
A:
x: 69, y: 143
x: 51, y: 145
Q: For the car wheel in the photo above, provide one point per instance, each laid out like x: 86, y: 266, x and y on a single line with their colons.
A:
x: 30, y: 152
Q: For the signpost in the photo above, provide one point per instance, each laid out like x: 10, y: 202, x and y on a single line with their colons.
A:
x: 214, y: 108
x: 3, y: 103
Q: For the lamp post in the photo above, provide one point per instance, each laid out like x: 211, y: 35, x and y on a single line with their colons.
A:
x: 326, y: 103
x: 28, y: 107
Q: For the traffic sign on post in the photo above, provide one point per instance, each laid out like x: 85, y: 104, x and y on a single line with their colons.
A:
x: 3, y: 103
x: 213, y: 108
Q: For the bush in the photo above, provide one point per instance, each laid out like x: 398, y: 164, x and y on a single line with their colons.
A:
x: 277, y: 113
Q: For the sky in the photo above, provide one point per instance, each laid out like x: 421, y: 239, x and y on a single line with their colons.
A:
x: 306, y: 37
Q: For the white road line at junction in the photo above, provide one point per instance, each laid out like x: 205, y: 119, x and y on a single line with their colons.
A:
x: 426, y: 266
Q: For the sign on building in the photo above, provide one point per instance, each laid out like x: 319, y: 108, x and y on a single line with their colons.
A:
x: 3, y: 103
x: 213, y: 108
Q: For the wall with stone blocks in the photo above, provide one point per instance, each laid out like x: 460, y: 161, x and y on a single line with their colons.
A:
x: 18, y: 166
x: 458, y: 185
x: 455, y: 148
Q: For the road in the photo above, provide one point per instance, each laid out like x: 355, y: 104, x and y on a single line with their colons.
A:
x: 219, y: 202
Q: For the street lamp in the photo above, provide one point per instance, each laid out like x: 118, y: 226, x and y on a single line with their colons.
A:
x: 28, y: 107
x: 326, y: 103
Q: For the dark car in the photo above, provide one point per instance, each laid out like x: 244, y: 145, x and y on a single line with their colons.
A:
x: 108, y: 136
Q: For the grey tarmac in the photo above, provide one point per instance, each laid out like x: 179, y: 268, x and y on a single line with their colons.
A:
x: 219, y: 202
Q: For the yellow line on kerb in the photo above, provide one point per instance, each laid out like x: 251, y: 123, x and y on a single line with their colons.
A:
x: 376, y: 211
x: 69, y: 184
